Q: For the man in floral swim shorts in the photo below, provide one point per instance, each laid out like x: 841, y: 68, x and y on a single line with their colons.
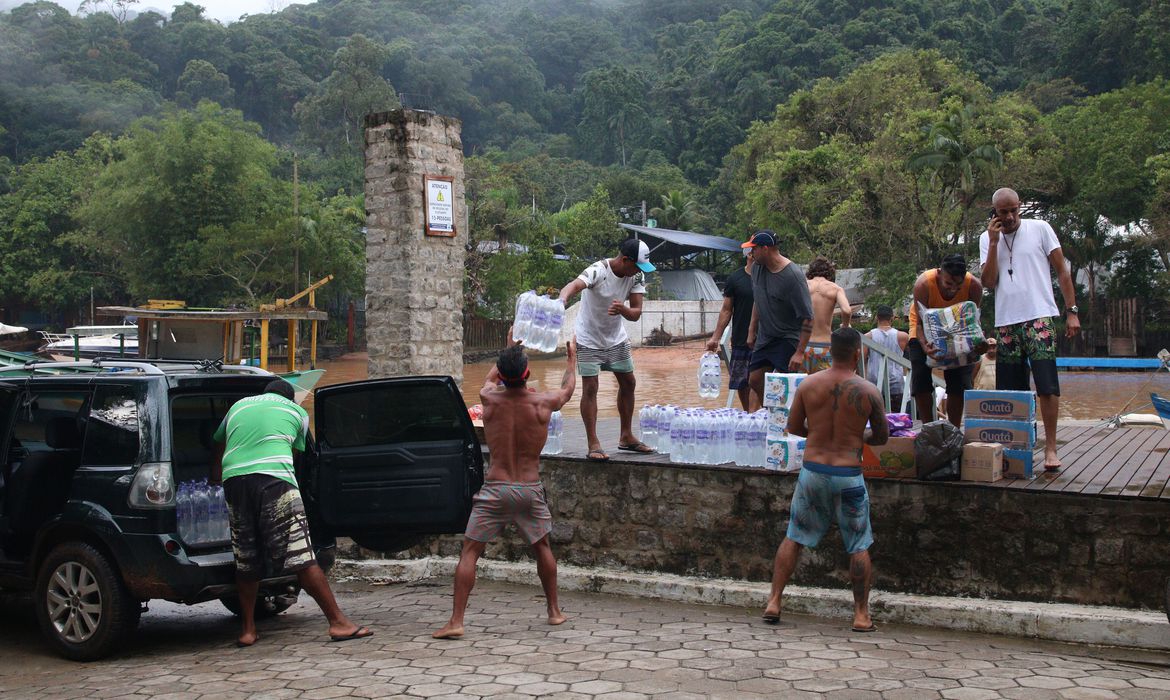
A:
x: 1018, y: 256
x: 515, y: 425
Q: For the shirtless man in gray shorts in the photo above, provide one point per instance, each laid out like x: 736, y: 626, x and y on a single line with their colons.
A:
x: 515, y: 424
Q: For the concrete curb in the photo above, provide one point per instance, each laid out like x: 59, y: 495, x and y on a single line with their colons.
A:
x: 1050, y: 621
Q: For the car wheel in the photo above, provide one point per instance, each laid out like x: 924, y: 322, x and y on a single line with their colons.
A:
x: 82, y: 605
x: 268, y: 603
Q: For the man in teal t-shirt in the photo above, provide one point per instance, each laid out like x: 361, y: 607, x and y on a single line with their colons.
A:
x: 265, y: 508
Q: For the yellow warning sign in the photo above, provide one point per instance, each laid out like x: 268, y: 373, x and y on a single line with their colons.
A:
x: 440, y: 214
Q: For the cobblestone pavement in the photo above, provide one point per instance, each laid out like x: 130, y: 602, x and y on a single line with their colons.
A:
x: 612, y: 647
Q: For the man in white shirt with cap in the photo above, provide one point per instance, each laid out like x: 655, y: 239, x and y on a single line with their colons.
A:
x: 602, y: 341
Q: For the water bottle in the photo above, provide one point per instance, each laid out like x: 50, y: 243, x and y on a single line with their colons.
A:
x: 759, y: 437
x: 199, y: 512
x: 560, y: 432
x: 664, y: 418
x: 523, y: 322
x: 183, y: 511
x: 222, y: 530
x: 741, y: 436
x: 690, y: 422
x: 535, y: 338
x: 552, y: 443
x: 681, y: 438
x: 556, y: 319
x: 725, y: 453
x: 647, y: 426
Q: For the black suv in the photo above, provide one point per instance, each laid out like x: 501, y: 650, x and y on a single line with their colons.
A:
x: 95, y: 451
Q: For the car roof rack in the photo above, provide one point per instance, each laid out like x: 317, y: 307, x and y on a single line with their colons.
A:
x: 146, y: 366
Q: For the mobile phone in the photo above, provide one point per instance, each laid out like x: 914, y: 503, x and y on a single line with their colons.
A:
x: 991, y: 213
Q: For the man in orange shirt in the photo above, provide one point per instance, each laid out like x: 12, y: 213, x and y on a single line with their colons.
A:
x: 945, y: 286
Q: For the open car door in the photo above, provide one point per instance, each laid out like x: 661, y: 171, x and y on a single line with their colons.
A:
x: 395, y: 458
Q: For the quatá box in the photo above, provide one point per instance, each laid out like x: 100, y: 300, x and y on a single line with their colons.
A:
x: 895, y: 459
x: 999, y: 405
x: 982, y: 461
x: 1012, y: 434
x: 777, y: 422
x: 1017, y: 464
x: 780, y: 389
x: 784, y: 454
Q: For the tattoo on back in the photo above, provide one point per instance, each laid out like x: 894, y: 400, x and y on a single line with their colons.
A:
x: 856, y: 396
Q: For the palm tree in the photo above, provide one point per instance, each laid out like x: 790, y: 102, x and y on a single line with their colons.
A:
x: 677, y: 212
x: 954, y: 167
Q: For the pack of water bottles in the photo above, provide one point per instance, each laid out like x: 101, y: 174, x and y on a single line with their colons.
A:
x: 710, y: 376
x: 202, y: 513
x: 554, y: 443
x: 705, y: 436
x: 539, y: 320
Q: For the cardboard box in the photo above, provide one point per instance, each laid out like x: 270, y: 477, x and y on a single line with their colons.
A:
x: 895, y: 459
x: 1017, y: 464
x: 1012, y: 434
x: 982, y: 461
x: 999, y: 405
x: 784, y: 454
x: 777, y: 422
x: 780, y: 389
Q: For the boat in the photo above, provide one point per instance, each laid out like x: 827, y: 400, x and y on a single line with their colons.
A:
x: 79, y: 342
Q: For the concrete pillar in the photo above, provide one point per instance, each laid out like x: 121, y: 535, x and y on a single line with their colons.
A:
x: 414, y: 282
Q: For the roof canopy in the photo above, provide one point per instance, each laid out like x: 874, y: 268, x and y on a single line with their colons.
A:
x: 668, y: 244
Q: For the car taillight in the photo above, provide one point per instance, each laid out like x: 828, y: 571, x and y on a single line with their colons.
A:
x: 153, y: 487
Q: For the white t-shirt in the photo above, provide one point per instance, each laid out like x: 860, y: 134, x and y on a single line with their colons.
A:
x: 595, y: 327
x: 1025, y: 293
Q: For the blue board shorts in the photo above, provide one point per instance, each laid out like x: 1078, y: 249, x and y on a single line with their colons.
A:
x: 824, y: 493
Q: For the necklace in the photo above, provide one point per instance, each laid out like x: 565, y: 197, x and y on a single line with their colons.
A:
x: 1011, y: 254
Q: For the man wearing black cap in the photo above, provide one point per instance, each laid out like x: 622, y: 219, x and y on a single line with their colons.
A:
x: 602, y: 341
x: 947, y: 285
x: 782, y: 317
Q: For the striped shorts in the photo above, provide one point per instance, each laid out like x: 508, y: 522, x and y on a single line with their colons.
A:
x: 270, y: 531
x: 591, y: 361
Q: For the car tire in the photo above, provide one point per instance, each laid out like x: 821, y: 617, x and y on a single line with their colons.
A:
x: 82, y: 606
x: 268, y: 603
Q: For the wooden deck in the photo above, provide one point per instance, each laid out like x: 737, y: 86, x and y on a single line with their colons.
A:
x: 1098, y: 462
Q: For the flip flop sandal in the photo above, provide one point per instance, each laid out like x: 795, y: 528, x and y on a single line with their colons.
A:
x: 592, y: 458
x: 639, y: 447
x: 872, y: 628
x: 359, y: 633
x: 771, y: 619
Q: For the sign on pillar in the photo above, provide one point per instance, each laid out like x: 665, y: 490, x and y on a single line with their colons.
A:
x: 440, y: 211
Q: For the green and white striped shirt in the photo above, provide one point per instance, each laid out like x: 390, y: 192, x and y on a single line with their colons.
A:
x: 260, y: 433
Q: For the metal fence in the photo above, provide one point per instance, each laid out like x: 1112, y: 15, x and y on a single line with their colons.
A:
x: 484, y: 333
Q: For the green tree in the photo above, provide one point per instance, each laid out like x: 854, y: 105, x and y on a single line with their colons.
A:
x: 676, y: 212
x: 44, y: 261
x: 202, y: 81
x: 958, y: 170
x: 614, y: 111
x: 186, y: 191
x: 331, y: 118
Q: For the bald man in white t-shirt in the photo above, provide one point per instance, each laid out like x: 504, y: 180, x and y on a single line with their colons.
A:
x: 1018, y: 257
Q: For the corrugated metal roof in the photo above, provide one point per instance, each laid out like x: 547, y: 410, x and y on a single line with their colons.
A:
x: 681, y: 242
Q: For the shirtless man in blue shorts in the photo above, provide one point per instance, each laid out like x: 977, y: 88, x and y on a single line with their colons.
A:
x: 515, y: 425
x: 831, y: 409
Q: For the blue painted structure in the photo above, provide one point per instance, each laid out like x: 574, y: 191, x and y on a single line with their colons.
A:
x: 1108, y: 363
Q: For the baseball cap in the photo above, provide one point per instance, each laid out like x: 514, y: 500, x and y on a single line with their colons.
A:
x: 762, y: 238
x: 637, y: 251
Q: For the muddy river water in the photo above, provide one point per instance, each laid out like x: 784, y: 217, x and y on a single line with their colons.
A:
x: 667, y: 375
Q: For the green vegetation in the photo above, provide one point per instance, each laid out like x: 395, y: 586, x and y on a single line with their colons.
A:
x: 143, y: 155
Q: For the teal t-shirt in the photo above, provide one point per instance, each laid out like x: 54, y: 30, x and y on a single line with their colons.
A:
x: 261, y: 433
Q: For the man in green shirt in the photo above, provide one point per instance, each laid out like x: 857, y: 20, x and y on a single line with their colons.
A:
x: 265, y: 508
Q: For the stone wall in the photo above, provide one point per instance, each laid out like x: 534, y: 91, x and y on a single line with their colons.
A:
x: 414, y: 282
x: 942, y: 539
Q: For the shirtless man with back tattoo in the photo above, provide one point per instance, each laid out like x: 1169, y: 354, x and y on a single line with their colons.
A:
x: 830, y: 409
